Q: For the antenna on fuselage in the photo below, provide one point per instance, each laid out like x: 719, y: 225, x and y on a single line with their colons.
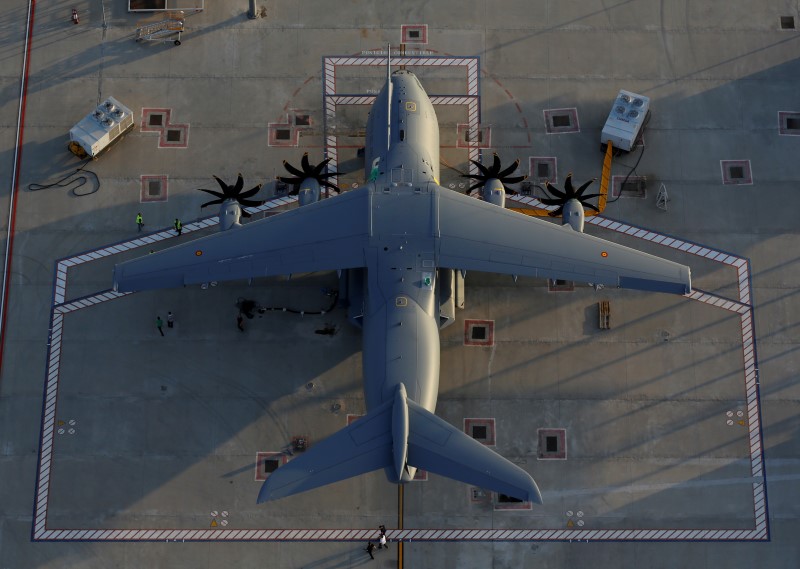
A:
x: 388, y: 98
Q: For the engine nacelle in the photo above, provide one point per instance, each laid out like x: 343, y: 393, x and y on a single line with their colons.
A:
x: 309, y: 192
x: 572, y: 214
x: 229, y: 214
x: 494, y: 192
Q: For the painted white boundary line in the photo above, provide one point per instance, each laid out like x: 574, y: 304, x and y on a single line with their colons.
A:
x: 60, y: 308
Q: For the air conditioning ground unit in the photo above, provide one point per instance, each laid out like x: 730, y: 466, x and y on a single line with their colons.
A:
x: 626, y: 120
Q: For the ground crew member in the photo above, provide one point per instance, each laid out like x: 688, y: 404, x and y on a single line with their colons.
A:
x: 369, y: 549
x: 178, y: 226
x: 139, y: 221
x: 160, y: 325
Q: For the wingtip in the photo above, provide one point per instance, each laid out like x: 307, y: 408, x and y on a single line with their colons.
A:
x: 536, y: 495
x: 264, y: 494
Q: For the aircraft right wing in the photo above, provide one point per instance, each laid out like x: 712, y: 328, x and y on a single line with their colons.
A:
x: 475, y: 235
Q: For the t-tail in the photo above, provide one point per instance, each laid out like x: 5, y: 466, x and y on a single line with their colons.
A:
x: 400, y: 436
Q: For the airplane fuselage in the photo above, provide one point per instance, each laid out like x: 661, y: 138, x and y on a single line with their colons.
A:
x: 401, y: 308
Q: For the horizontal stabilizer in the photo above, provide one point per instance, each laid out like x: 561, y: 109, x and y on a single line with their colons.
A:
x: 361, y: 447
x: 437, y: 446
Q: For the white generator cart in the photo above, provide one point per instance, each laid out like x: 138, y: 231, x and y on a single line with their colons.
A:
x: 100, y: 129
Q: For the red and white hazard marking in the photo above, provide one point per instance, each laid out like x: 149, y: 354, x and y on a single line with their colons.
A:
x: 741, y: 305
x: 62, y: 308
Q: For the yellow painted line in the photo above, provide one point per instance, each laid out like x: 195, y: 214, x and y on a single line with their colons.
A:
x: 605, y: 178
x: 533, y: 212
x: 400, y: 501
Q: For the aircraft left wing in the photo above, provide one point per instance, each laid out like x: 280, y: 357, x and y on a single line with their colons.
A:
x: 326, y: 235
x: 475, y: 235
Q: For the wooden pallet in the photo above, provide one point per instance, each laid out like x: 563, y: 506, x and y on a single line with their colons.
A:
x: 604, y: 307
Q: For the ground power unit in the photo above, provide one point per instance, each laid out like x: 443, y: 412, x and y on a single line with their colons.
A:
x: 625, y: 121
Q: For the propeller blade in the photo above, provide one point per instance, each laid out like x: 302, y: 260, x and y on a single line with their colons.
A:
x: 225, y: 187
x: 590, y: 206
x: 321, y: 177
x: 318, y: 168
x: 292, y: 170
x: 483, y: 169
x: 212, y: 202
x: 239, y: 185
x: 508, y: 170
x: 495, y: 169
x: 568, y: 186
x: 590, y: 196
x: 291, y: 181
x: 327, y: 184
x: 551, y: 201
x: 583, y: 187
x: 475, y: 186
x: 305, y: 165
x: 555, y: 191
x: 251, y: 192
x: 556, y: 212
x: 251, y: 203
x: 513, y: 179
x: 213, y: 193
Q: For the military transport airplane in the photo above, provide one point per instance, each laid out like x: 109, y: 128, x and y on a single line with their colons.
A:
x: 400, y: 242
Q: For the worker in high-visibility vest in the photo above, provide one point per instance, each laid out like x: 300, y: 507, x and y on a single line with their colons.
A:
x: 178, y: 226
x: 139, y: 221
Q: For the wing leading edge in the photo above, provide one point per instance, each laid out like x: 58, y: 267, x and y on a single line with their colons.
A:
x: 326, y: 235
x: 475, y: 235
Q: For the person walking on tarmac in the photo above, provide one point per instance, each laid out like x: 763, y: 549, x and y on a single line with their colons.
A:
x: 178, y: 226
x: 139, y: 221
x: 369, y: 549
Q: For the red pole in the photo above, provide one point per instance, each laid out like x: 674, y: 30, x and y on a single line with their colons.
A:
x: 12, y: 210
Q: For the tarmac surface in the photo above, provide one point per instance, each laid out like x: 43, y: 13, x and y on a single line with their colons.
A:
x: 674, y: 434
